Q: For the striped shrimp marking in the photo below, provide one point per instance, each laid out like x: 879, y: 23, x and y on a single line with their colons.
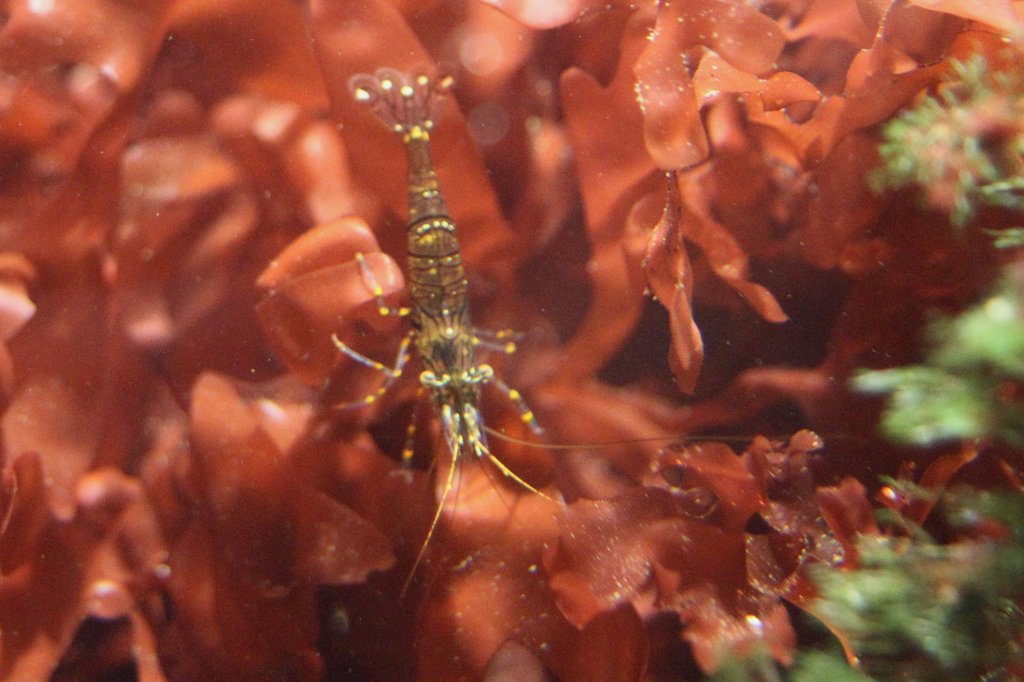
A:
x: 442, y: 331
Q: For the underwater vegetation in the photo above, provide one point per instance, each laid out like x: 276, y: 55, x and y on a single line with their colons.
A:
x: 761, y: 263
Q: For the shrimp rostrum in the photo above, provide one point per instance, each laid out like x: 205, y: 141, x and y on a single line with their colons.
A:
x: 442, y: 331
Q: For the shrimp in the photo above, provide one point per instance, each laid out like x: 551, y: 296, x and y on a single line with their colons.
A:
x: 442, y: 331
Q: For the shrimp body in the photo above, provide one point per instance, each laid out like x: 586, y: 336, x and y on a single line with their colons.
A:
x: 438, y: 289
x: 442, y: 330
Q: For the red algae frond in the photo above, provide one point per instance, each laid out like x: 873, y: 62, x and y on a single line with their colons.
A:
x: 664, y: 208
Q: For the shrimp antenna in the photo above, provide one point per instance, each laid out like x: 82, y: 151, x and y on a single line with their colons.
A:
x: 626, y: 441
x: 448, y: 484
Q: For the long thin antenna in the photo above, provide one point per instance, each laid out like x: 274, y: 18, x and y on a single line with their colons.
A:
x: 629, y: 441
x: 449, y: 480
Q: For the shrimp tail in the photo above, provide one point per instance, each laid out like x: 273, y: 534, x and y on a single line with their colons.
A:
x: 408, y: 104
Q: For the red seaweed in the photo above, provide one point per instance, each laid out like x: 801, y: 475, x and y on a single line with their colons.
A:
x: 667, y: 202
